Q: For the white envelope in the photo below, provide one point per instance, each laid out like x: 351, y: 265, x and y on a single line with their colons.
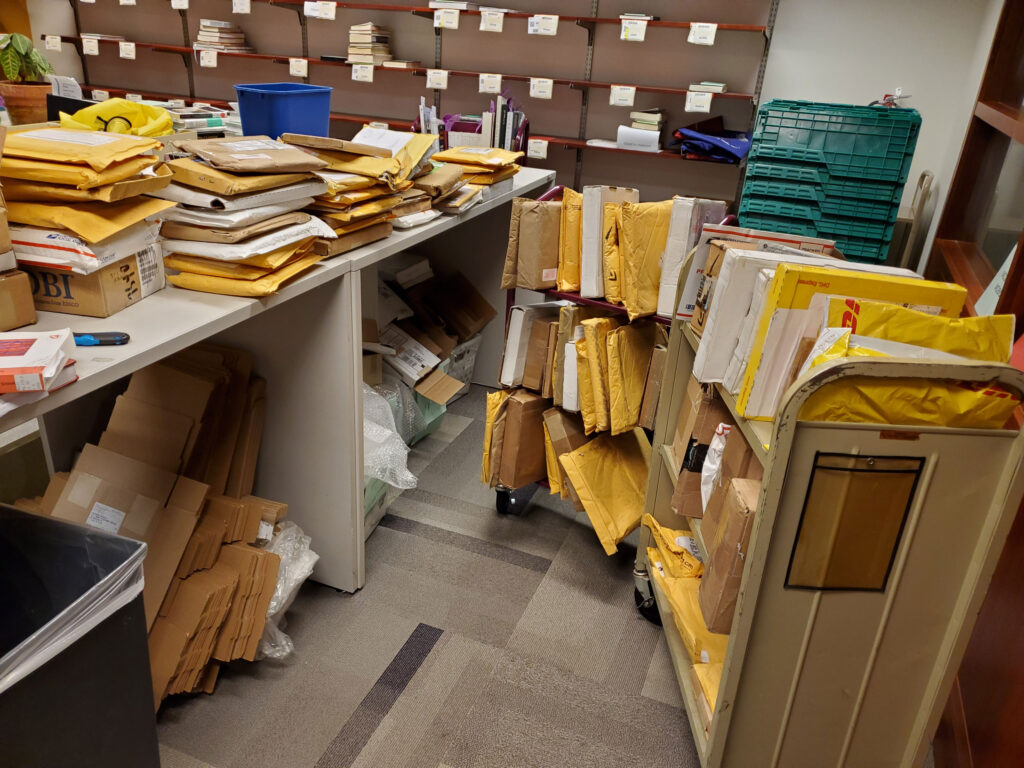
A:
x: 55, y: 247
x: 209, y: 217
x: 689, y: 215
x: 264, y: 244
x: 189, y: 196
x: 592, y: 243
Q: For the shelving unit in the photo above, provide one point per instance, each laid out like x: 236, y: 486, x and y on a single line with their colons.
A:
x: 843, y: 677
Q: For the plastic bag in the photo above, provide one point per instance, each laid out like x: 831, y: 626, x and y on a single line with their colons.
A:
x: 711, y: 471
x: 407, y: 415
x: 297, y: 561
x: 121, y: 116
x: 384, y: 451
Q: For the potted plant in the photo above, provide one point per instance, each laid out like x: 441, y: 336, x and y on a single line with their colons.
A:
x: 24, y: 90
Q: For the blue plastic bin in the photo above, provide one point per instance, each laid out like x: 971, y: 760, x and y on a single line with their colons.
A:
x: 270, y: 109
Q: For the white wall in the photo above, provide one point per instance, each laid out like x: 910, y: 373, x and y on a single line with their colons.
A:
x: 854, y: 52
x: 55, y: 17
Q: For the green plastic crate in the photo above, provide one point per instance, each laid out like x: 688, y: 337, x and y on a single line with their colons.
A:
x: 813, y: 196
x: 879, y: 191
x: 878, y: 228
x: 853, y: 247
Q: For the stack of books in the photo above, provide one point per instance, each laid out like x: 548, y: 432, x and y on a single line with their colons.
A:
x: 647, y: 119
x: 206, y: 121
x: 369, y: 44
x: 223, y: 36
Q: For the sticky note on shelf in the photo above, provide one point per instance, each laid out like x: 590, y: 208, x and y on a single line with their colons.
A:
x: 492, y: 21
x: 98, y: 95
x: 446, y: 18
x: 437, y: 79
x: 298, y: 67
x: 320, y: 9
x: 52, y: 43
x: 622, y: 95
x: 90, y: 46
x: 179, y: 5
x: 490, y: 83
x: 542, y: 24
x: 541, y: 87
x: 633, y: 30
x: 362, y: 73
x: 208, y: 59
x: 537, y: 149
x: 702, y: 33
x: 697, y: 101
x: 241, y: 6
x: 126, y: 49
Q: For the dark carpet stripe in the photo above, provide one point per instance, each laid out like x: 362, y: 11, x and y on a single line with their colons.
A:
x: 356, y: 732
x: 468, y: 543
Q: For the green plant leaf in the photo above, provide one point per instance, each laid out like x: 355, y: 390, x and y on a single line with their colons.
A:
x: 21, y: 44
x: 40, y: 64
x: 5, y: 40
x: 10, y: 63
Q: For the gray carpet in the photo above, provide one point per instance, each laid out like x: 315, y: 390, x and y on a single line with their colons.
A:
x: 479, y: 641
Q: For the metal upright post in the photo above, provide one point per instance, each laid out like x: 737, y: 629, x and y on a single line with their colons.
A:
x: 585, y: 92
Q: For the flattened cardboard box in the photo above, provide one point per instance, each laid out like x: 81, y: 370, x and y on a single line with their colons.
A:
x: 16, y: 307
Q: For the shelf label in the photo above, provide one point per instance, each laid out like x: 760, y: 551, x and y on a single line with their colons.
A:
x: 126, y: 49
x: 537, y: 148
x: 208, y: 59
x: 320, y: 9
x: 90, y: 46
x: 542, y: 24
x: 52, y: 43
x: 492, y: 21
x: 126, y: 2
x: 362, y: 73
x: 298, y: 67
x: 176, y: 103
x: 241, y: 6
x: 702, y: 33
x: 490, y: 83
x: 437, y: 79
x: 633, y: 30
x: 179, y: 5
x: 622, y: 95
x: 90, y: 2
x: 98, y: 95
x: 446, y: 18
x: 697, y: 101
x: 133, y: 96
x: 541, y: 87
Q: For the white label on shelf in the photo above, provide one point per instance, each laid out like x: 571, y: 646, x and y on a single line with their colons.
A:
x: 90, y: 46
x: 490, y: 83
x: 492, y: 21
x: 697, y: 101
x: 702, y: 33
x: 622, y: 95
x: 53, y: 43
x: 437, y: 79
x: 241, y: 6
x: 98, y: 95
x: 446, y: 18
x: 105, y: 518
x: 126, y: 2
x: 176, y: 103
x: 90, y: 2
x: 541, y: 87
x: 126, y: 49
x: 537, y: 148
x: 542, y: 24
x: 363, y: 73
x: 633, y: 30
x: 133, y: 96
x: 298, y: 67
x: 320, y: 9
x: 208, y: 59
x: 179, y: 5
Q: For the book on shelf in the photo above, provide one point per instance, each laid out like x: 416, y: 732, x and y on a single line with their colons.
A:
x: 646, y: 126
x: 223, y: 48
x: 361, y: 38
x: 361, y: 58
x: 398, y: 64
x: 98, y: 36
x: 457, y: 5
x: 217, y: 24
x: 707, y: 86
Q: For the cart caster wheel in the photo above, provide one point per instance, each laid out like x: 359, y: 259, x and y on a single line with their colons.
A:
x: 513, y: 501
x: 502, y: 501
x: 647, y: 607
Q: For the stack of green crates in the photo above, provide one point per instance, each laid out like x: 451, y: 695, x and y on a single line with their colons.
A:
x: 834, y: 171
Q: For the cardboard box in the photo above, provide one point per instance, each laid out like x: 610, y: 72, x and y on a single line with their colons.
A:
x: 537, y: 353
x: 241, y: 630
x: 16, y: 305
x: 567, y: 434
x: 103, y: 292
x: 118, y: 494
x: 686, y: 499
x: 522, y: 450
x: 701, y: 413
x: 247, y: 449
x: 464, y: 310
x: 652, y: 387
x: 547, y: 379
x: 411, y: 360
x: 706, y: 287
x: 537, y: 253
x: 150, y: 434
x: 727, y: 550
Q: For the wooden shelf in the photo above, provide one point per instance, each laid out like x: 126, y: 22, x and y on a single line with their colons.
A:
x: 697, y: 529
x: 967, y: 265
x: 566, y: 143
x: 618, y: 309
x: 1004, y: 117
x: 669, y: 460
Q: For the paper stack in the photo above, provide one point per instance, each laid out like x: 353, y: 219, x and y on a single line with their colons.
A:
x: 487, y: 171
x: 206, y: 120
x: 370, y: 183
x: 369, y: 44
x: 81, y: 218
x: 34, y: 364
x: 239, y: 229
x: 647, y: 119
x: 224, y: 36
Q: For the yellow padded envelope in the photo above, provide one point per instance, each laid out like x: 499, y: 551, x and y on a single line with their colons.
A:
x: 704, y: 646
x: 390, y: 170
x: 609, y: 474
x: 93, y: 221
x: 492, y: 440
x: 262, y: 286
x: 39, y: 192
x: 551, y: 462
x: 642, y: 239
x: 91, y: 148
x: 611, y: 257
x: 629, y: 349
x: 595, y: 331
x: 570, y: 241
x: 676, y: 558
x: 710, y: 678
x: 491, y: 157
x: 584, y: 387
x: 69, y: 174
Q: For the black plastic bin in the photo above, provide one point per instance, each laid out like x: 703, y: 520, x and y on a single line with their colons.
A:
x: 75, y: 687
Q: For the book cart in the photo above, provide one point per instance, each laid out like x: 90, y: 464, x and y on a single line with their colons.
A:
x: 851, y: 677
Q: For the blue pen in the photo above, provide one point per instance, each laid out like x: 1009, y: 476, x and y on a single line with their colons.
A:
x: 102, y: 339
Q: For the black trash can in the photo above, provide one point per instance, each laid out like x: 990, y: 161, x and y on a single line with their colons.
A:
x: 75, y: 687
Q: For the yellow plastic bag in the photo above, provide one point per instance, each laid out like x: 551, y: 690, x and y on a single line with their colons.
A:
x: 595, y: 331
x: 676, y: 557
x: 703, y: 646
x: 570, y: 241
x: 489, y: 156
x: 261, y: 286
x: 71, y: 174
x: 551, y: 461
x: 642, y: 238
x: 38, y: 192
x: 610, y: 257
x: 495, y: 407
x: 584, y: 387
x: 630, y: 348
x: 93, y: 149
x: 121, y: 116
x: 710, y: 678
x: 979, y: 338
x: 91, y: 221
x: 609, y: 474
